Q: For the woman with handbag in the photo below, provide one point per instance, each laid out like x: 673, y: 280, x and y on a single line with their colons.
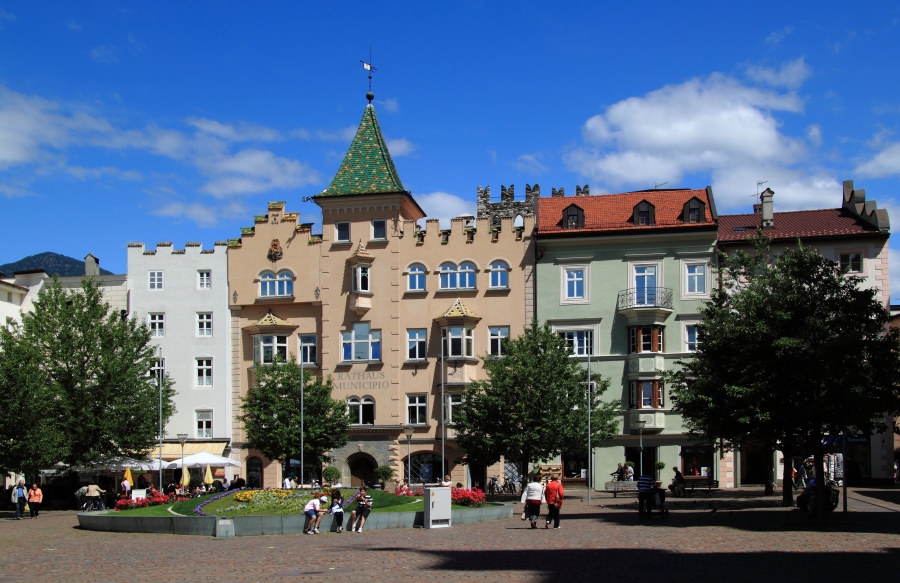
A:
x: 35, y: 497
x: 554, y: 494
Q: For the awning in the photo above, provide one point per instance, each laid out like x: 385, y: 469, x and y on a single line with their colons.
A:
x: 172, y: 451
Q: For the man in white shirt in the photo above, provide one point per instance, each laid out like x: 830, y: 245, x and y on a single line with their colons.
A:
x: 287, y: 483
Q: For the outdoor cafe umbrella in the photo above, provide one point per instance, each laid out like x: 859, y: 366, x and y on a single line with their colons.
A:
x: 128, y: 475
x: 208, y: 478
x: 185, y: 478
x: 200, y: 460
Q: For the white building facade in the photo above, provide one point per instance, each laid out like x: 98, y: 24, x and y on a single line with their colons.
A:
x: 182, y: 295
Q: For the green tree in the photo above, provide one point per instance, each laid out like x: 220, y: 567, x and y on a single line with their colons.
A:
x: 271, y: 414
x: 75, y: 383
x: 533, y: 404
x: 791, y: 350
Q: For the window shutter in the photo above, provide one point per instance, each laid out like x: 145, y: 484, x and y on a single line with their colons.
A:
x: 632, y: 401
x: 655, y: 400
x: 685, y: 212
x: 256, y: 352
x: 638, y: 332
x: 635, y: 214
x: 652, y: 214
x: 660, y: 387
x: 654, y: 340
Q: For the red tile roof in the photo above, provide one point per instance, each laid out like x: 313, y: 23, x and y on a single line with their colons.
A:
x: 791, y: 225
x: 613, y: 212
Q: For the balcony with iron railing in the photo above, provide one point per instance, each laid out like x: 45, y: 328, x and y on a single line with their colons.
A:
x: 645, y: 305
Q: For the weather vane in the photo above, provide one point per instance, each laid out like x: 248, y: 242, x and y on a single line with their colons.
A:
x: 367, y: 65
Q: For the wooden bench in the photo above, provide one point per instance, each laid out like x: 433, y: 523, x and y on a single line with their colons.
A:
x: 617, y: 487
x: 701, y: 483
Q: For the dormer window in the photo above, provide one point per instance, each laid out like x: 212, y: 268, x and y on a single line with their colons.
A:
x: 573, y: 217
x: 694, y: 211
x: 644, y: 214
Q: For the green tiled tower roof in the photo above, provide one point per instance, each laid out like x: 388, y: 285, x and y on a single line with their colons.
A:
x: 367, y: 168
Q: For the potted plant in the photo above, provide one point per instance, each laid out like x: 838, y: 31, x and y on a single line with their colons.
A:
x: 384, y: 474
x: 331, y: 475
x: 659, y: 468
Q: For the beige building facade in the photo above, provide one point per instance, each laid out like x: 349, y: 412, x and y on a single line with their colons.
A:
x: 374, y: 302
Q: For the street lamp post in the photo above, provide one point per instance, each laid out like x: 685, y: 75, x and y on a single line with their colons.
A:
x: 182, y: 437
x: 590, y: 404
x: 640, y: 427
x: 302, y: 391
x: 408, y: 432
x: 159, y: 375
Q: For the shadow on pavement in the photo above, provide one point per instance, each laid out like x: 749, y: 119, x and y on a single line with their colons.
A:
x: 658, y: 565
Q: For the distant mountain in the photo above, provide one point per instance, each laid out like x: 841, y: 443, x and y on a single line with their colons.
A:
x: 52, y: 263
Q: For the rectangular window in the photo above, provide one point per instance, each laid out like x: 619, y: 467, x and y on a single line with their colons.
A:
x: 204, y: 324
x: 342, y: 232
x: 693, y: 215
x: 696, y: 278
x: 581, y: 342
x: 158, y: 370
x: 156, y: 280
x: 497, y: 334
x: 379, y: 230
x: 645, y: 395
x: 574, y: 284
x: 458, y: 341
x: 454, y: 402
x: 645, y: 285
x: 308, y: 352
x: 204, y: 424
x: 267, y: 347
x: 852, y: 262
x: 361, y: 279
x: 361, y: 343
x: 415, y: 343
x: 646, y: 340
x: 157, y: 324
x: 691, y: 338
x: 204, y: 280
x: 417, y: 409
x: 204, y: 372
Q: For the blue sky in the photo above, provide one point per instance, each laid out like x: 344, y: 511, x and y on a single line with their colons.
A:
x: 179, y: 121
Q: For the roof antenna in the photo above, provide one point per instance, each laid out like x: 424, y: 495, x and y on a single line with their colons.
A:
x: 660, y: 184
x: 758, y: 184
x: 371, y: 69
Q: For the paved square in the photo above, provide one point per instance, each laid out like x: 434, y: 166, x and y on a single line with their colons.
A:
x: 595, y: 543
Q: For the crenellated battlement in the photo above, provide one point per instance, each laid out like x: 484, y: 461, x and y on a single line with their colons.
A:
x: 471, y: 230
x: 190, y: 248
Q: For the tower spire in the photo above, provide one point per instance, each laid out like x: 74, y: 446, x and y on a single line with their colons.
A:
x: 367, y: 65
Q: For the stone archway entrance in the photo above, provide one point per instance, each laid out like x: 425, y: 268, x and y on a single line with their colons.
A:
x: 362, y: 469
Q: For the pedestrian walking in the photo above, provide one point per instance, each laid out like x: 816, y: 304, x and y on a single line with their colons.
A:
x: 629, y: 473
x: 800, y: 482
x: 314, y: 511
x: 337, y: 509
x: 619, y: 474
x: 554, y: 494
x: 363, y: 509
x: 19, y: 498
x: 35, y: 497
x: 533, y: 497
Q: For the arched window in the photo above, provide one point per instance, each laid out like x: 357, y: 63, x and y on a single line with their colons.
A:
x: 467, y: 275
x: 416, y: 278
x: 499, y: 274
x: 426, y: 468
x: 449, y: 276
x: 254, y: 472
x: 285, y: 283
x: 267, y: 284
x: 362, y: 411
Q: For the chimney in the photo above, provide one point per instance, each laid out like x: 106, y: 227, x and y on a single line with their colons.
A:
x: 91, y: 265
x: 768, y: 219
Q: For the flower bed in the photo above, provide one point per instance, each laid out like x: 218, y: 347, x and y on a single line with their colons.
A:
x: 273, y: 500
x: 466, y: 497
x: 157, y: 499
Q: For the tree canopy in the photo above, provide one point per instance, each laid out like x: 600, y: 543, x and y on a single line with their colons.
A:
x: 792, y: 349
x: 76, y: 384
x: 533, y: 404
x: 271, y: 414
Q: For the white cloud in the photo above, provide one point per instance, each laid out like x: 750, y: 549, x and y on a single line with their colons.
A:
x: 445, y: 206
x: 884, y: 163
x: 777, y: 36
x: 243, y: 133
x: 344, y: 135
x: 400, y: 147
x: 814, y: 135
x: 791, y: 74
x: 391, y: 104
x: 530, y: 164
x: 106, y: 54
x: 698, y: 126
x: 85, y: 173
x: 10, y: 191
x: 253, y: 171
x: 735, y: 188
x: 202, y: 215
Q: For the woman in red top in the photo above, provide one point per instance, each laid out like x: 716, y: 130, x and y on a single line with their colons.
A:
x: 554, y: 494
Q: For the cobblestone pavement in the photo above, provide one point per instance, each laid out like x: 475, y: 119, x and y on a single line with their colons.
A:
x: 747, y: 539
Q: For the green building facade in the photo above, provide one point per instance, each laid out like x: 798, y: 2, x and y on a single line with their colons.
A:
x: 622, y: 277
